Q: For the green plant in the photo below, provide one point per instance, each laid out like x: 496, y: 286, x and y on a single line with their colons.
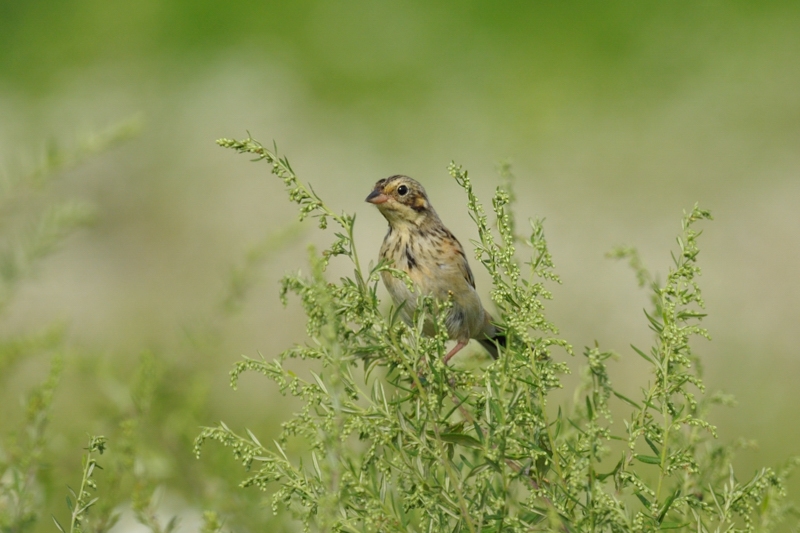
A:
x: 396, y: 441
x: 33, y: 226
x: 148, y: 410
x: 83, y: 497
x: 21, y: 457
x: 29, y: 233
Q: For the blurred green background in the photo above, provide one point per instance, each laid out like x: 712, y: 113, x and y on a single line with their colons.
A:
x: 616, y: 116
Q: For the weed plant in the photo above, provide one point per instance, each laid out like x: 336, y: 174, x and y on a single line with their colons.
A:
x: 397, y: 441
x: 391, y: 439
x: 32, y: 227
x: 27, y: 236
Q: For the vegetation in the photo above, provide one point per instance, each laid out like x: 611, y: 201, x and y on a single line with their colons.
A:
x: 388, y: 438
x: 397, y: 441
x: 117, y: 319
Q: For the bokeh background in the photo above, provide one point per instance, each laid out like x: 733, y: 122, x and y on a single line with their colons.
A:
x: 616, y: 116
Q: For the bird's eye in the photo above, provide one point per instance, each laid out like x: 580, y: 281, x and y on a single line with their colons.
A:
x: 402, y: 190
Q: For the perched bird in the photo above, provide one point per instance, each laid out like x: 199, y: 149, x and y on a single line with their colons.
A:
x: 421, y: 246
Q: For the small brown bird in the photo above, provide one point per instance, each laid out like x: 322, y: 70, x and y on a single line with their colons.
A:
x: 421, y: 246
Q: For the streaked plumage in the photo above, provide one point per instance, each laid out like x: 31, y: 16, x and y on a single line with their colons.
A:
x: 420, y: 245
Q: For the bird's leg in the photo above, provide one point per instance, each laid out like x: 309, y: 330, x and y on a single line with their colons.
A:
x: 454, y: 351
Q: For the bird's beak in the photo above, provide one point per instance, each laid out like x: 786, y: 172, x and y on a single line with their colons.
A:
x: 376, y: 197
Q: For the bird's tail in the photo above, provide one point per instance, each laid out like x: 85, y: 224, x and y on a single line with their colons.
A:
x: 491, y: 344
x: 493, y: 336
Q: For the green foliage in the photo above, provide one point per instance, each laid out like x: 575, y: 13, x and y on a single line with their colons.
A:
x: 79, y: 508
x: 27, y: 461
x: 390, y: 439
x: 245, y: 275
x: 22, y: 455
x: 148, y: 407
x: 397, y: 441
x: 25, y: 240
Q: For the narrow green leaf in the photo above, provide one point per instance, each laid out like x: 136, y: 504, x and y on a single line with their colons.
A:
x: 373, y: 364
x: 58, y: 525
x: 644, y: 500
x: 396, y: 313
x: 86, y: 507
x: 319, y: 382
x: 683, y: 315
x: 658, y: 327
x: 626, y: 399
x: 652, y: 445
x: 254, y: 438
x: 461, y: 401
x: 479, y: 431
x: 673, y: 525
x: 461, y: 439
x: 576, y: 426
x: 649, y: 459
x: 317, y: 469
x: 557, y: 423
x: 477, y: 470
x: 668, y: 504
x: 643, y: 355
x: 602, y: 477
x: 496, y: 410
x: 280, y: 449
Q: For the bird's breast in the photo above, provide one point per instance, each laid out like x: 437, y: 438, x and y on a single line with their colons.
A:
x: 434, y: 270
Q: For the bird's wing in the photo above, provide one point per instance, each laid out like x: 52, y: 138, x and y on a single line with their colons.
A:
x: 463, y: 266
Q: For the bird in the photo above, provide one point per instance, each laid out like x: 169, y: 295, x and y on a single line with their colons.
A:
x: 419, y: 244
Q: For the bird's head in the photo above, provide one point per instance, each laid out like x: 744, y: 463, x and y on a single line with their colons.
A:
x: 401, y: 200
